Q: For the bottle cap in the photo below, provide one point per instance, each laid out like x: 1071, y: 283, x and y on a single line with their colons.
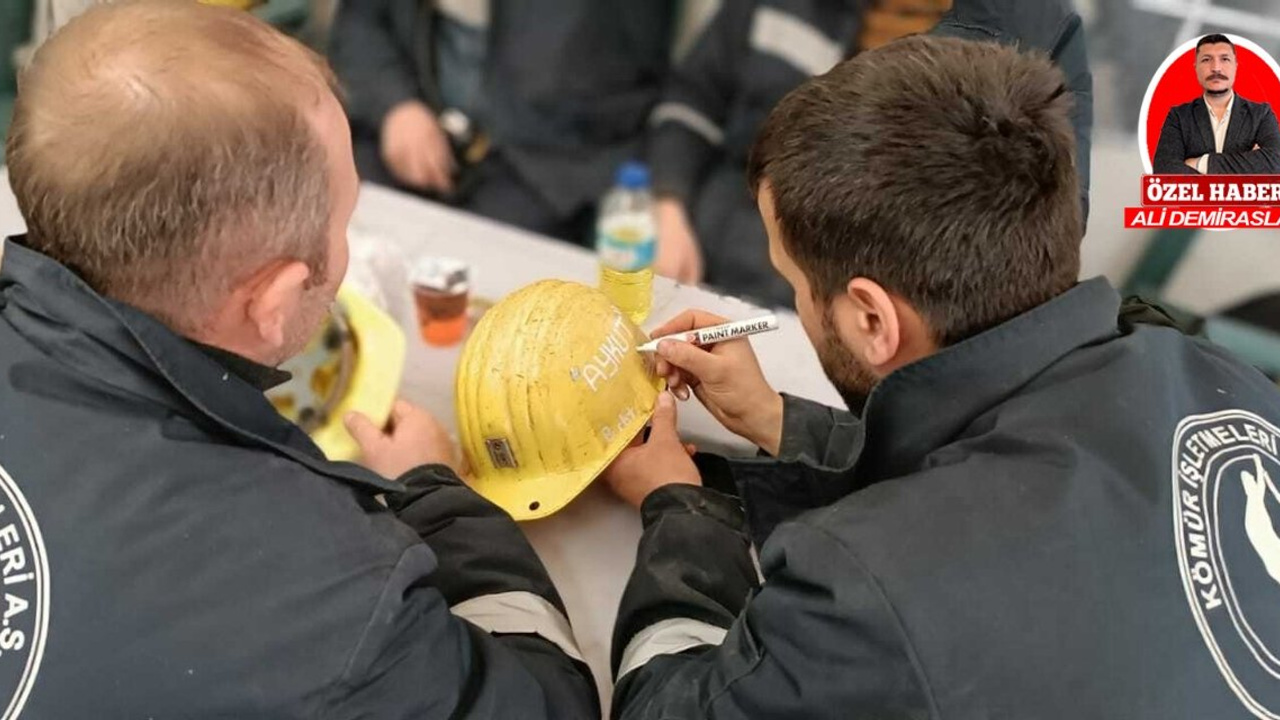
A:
x: 633, y: 176
x: 457, y: 125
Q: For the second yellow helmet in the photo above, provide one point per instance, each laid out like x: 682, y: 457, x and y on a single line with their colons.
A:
x: 550, y: 388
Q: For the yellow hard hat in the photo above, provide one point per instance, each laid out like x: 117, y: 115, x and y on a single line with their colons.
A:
x: 550, y: 388
x: 354, y: 363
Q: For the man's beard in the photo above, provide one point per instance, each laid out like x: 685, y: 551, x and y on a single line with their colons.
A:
x: 851, y: 379
x: 1218, y: 93
x: 302, y: 328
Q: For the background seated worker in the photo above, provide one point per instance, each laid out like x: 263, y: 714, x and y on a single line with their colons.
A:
x: 748, y: 57
x: 991, y: 531
x: 519, y: 111
x: 1219, y: 133
x: 186, y: 177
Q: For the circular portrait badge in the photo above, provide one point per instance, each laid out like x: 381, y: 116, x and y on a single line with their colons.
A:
x: 1187, y: 77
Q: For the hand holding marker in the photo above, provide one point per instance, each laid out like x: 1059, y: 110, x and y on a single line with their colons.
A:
x: 726, y: 378
x: 717, y: 333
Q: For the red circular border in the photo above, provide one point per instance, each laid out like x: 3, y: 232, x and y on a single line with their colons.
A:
x: 1255, y: 81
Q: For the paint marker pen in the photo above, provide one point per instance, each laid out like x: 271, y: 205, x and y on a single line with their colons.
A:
x: 718, y: 333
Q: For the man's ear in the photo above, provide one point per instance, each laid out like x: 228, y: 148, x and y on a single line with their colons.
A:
x: 883, y: 330
x: 275, y: 298
x: 867, y: 320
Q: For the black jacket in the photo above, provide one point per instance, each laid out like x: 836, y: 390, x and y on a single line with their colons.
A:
x: 1021, y: 526
x: 1187, y: 133
x: 569, y: 83
x: 201, y: 558
x: 753, y: 52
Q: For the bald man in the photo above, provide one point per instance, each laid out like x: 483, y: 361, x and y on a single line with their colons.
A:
x: 170, y: 546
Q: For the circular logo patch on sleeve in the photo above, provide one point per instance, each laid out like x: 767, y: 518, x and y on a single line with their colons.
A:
x: 1226, y: 517
x: 24, y: 598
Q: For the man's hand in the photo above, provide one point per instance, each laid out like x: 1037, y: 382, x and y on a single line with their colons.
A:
x: 415, y: 148
x: 1193, y: 163
x: 662, y: 460
x: 413, y: 438
x: 679, y: 256
x: 726, y: 378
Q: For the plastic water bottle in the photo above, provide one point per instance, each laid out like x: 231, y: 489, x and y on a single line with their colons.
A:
x: 626, y: 242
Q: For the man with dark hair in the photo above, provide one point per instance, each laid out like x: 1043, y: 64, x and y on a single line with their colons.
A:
x: 171, y: 545
x: 991, y: 532
x: 1219, y: 133
x: 751, y: 53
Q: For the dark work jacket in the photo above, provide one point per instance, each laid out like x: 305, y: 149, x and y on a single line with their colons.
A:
x: 1019, y: 526
x: 192, y: 554
x: 1187, y: 133
x: 753, y: 52
x: 568, y: 83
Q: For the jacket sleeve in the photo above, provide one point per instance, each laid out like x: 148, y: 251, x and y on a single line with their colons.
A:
x: 1171, y: 152
x: 818, y: 639
x: 814, y: 467
x: 1263, y: 161
x: 817, y: 434
x: 687, y: 126
x: 375, y: 71
x: 469, y: 613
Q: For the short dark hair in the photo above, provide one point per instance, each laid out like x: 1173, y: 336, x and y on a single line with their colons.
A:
x: 943, y: 169
x: 1215, y: 40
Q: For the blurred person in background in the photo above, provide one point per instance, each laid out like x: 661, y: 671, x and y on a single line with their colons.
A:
x: 544, y: 100
x: 186, y: 177
x: 750, y: 54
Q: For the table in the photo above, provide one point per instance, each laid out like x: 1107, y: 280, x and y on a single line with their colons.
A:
x: 589, y: 547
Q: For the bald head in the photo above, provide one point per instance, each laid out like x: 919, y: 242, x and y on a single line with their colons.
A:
x: 168, y: 151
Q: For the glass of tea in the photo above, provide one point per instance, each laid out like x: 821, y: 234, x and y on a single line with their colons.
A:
x: 441, y: 289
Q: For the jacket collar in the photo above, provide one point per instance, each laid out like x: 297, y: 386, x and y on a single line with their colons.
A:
x: 127, y: 348
x: 923, y: 406
x: 261, y: 377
